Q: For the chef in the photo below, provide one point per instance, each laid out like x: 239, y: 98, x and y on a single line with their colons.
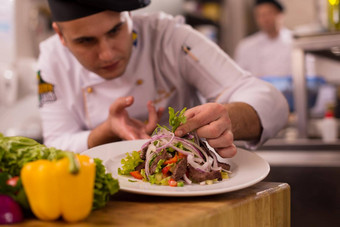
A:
x: 108, y: 75
x: 268, y: 51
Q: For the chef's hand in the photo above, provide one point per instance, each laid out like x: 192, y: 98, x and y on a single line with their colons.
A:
x: 211, y: 121
x: 120, y: 126
x: 128, y: 128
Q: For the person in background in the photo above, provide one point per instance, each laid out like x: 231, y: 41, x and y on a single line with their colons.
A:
x: 268, y: 51
x: 108, y: 75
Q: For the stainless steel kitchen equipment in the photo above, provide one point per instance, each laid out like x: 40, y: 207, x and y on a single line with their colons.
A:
x: 320, y: 43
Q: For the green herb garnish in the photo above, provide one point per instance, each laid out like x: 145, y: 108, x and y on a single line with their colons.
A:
x: 176, y: 118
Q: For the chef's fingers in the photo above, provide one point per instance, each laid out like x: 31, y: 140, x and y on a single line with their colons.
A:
x: 160, y: 112
x: 144, y: 136
x: 136, y: 136
x: 227, y: 152
x: 131, y: 133
x: 152, y: 120
x: 120, y: 104
x: 198, y: 117
x: 193, y: 122
x: 154, y: 117
x: 130, y: 136
x: 215, y: 129
x: 223, y: 141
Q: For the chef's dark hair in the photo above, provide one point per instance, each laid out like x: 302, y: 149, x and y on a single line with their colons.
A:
x: 276, y: 3
x: 66, y: 10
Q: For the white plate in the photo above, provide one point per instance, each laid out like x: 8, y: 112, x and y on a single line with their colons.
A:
x: 247, y: 169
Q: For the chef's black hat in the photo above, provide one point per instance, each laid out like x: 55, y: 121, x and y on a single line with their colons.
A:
x: 65, y: 10
x: 276, y: 3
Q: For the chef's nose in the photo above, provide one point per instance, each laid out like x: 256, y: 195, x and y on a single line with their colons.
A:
x: 106, y: 51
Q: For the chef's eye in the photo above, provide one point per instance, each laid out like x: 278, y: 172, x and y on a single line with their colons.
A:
x: 85, y: 40
x: 115, y: 30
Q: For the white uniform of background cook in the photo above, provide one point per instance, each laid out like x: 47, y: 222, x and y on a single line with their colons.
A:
x: 263, y: 56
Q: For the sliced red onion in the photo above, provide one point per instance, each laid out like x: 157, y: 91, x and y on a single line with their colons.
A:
x: 186, y: 179
x: 189, y: 146
x: 152, y: 139
x: 168, y: 143
x: 199, y: 160
x: 227, y: 171
x: 180, y: 150
x: 190, y: 136
x: 148, y: 156
x: 217, y: 168
x: 207, y: 165
x: 195, y: 147
x: 202, y: 159
x: 145, y: 144
x: 197, y: 166
x: 215, y: 164
x: 174, y: 139
x: 212, y: 153
x: 197, y: 139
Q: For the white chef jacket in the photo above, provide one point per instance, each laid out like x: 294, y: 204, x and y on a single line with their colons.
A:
x: 263, y: 56
x: 77, y: 100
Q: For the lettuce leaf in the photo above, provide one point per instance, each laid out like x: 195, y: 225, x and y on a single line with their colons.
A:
x: 129, y: 163
x: 104, y: 187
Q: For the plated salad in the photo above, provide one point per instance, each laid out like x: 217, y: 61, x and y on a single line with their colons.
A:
x: 175, y: 161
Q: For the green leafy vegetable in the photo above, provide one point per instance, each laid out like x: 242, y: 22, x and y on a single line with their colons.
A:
x: 176, y: 119
x: 129, y: 163
x: 165, y: 181
x: 104, y: 186
x: 159, y: 165
x: 142, y: 172
x: 17, y: 151
x: 156, y: 178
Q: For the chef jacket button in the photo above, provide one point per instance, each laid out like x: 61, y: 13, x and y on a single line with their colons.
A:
x: 139, y: 82
x: 89, y: 90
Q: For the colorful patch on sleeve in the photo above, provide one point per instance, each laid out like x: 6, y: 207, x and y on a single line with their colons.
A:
x: 134, y: 38
x: 45, y: 91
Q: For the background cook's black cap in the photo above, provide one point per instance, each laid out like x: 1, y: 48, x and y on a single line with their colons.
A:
x: 65, y: 10
x: 276, y: 3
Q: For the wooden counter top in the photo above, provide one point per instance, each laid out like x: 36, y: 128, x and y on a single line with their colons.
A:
x: 263, y: 204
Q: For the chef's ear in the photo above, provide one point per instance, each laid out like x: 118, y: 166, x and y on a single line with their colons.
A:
x: 57, y: 28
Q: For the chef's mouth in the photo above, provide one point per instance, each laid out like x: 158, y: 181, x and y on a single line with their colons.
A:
x: 112, y: 66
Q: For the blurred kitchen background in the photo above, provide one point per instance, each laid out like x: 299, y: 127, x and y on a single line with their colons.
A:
x: 298, y: 155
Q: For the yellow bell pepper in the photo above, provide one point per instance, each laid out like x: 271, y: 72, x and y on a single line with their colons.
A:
x: 60, y: 187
